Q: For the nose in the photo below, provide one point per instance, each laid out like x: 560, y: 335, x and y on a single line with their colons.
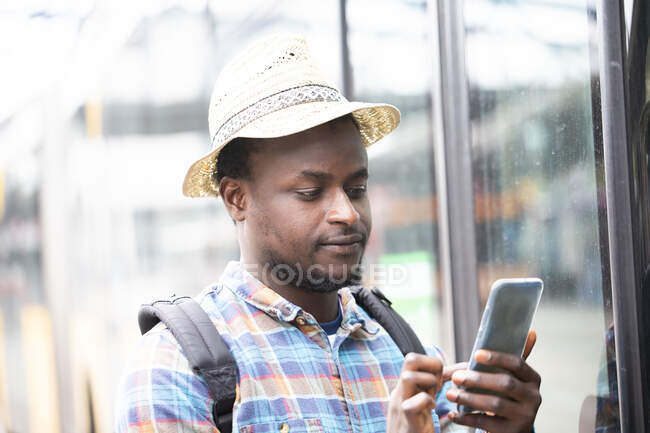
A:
x: 342, y: 211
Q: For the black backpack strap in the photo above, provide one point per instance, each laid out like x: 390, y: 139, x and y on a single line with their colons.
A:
x: 204, y: 347
x: 379, y: 308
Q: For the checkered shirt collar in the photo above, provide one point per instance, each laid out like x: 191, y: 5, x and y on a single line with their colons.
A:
x: 244, y: 285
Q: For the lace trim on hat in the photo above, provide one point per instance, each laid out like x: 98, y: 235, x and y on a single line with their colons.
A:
x: 275, y: 102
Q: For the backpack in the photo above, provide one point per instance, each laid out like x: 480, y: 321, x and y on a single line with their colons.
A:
x: 209, y: 356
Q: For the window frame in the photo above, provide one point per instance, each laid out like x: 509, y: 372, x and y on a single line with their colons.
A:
x: 453, y: 165
x: 618, y: 151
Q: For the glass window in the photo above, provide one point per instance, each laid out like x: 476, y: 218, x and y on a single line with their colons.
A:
x: 538, y: 192
x: 21, y: 289
x: 391, y: 59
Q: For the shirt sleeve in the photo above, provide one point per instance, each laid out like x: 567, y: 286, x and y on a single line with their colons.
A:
x: 160, y: 393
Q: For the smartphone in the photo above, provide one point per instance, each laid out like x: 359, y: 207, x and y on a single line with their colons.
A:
x: 506, y: 321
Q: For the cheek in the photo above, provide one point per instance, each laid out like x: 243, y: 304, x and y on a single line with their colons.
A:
x: 368, y: 213
x: 286, y: 226
x: 365, y: 214
x: 301, y: 229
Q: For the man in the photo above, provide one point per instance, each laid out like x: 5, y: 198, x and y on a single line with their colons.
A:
x: 290, y: 164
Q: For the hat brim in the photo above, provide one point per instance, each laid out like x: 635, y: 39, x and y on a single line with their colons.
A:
x: 373, y: 120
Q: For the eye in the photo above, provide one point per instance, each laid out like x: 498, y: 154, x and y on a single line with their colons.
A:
x: 356, y: 191
x: 308, y: 194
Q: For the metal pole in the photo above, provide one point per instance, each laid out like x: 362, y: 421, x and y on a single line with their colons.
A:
x: 619, y: 211
x: 348, y: 88
x: 454, y: 179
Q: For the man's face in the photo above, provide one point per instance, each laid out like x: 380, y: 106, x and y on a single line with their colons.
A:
x: 309, y: 211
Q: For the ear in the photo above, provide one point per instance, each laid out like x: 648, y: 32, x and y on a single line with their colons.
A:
x: 233, y: 194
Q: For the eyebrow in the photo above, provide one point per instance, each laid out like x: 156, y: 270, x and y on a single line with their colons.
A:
x: 361, y: 173
x: 323, y: 176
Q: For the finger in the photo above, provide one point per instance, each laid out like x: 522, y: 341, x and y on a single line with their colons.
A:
x: 449, y: 370
x: 417, y: 410
x: 479, y: 420
x: 502, y: 383
x: 530, y: 343
x: 413, y: 382
x: 418, y: 362
x: 512, y: 363
x: 486, y: 403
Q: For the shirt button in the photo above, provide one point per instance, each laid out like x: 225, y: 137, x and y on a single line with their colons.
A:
x: 301, y: 321
x: 284, y: 428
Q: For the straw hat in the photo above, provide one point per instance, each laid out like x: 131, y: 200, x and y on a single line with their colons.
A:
x: 274, y: 89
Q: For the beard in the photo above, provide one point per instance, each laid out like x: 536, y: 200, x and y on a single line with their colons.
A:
x: 315, y: 279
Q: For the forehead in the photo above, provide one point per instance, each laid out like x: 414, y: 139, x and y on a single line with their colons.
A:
x: 335, y: 147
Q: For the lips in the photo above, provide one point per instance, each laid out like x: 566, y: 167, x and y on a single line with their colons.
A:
x: 344, y: 240
x: 344, y: 245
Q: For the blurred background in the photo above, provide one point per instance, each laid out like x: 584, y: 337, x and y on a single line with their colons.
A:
x: 103, y: 106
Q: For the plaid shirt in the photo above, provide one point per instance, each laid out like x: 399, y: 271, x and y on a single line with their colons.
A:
x: 290, y: 377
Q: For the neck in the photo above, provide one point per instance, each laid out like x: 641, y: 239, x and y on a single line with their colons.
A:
x: 323, y: 306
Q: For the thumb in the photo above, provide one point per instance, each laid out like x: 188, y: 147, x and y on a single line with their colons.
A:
x: 449, y: 370
x: 530, y: 343
x: 417, y: 411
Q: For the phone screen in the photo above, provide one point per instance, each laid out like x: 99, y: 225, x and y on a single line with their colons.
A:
x: 506, y: 321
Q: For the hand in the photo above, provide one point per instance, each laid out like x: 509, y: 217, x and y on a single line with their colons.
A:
x: 514, y: 414
x: 411, y: 402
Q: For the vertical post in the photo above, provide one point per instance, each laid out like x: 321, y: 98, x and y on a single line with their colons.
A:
x: 619, y: 211
x: 348, y: 88
x: 454, y: 179
x: 438, y: 141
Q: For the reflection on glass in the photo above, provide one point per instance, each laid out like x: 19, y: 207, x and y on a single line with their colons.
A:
x: 537, y: 191
x: 21, y: 288
x: 390, y: 62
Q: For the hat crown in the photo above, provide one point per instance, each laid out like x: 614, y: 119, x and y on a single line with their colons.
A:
x: 274, y: 89
x: 266, y: 68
